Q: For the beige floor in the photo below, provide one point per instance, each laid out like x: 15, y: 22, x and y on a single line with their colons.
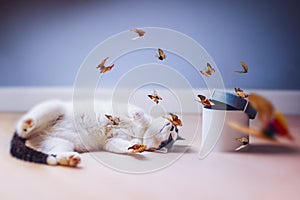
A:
x: 265, y: 172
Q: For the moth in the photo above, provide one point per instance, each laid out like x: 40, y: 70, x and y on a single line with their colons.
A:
x: 245, y: 67
x: 114, y: 120
x: 161, y: 55
x: 204, y: 101
x: 103, y: 68
x: 244, y: 142
x: 273, y: 122
x: 174, y: 120
x: 140, y: 33
x: 138, y: 148
x: 155, y: 97
x: 209, y: 70
x: 240, y: 93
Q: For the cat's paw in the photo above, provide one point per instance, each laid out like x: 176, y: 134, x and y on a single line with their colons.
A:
x: 25, y: 127
x: 71, y: 159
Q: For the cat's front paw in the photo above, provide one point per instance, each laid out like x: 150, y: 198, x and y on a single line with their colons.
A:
x: 25, y: 127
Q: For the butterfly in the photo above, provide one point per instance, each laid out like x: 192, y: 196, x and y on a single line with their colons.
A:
x: 140, y: 33
x: 240, y: 93
x: 209, y: 71
x: 244, y: 142
x: 273, y: 122
x: 155, y: 97
x: 114, y: 120
x: 245, y: 67
x: 138, y: 148
x: 174, y: 120
x: 161, y: 54
x: 103, y: 68
x: 204, y: 101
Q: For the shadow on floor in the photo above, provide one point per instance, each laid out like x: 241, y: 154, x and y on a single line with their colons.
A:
x: 271, y: 149
x: 183, y: 149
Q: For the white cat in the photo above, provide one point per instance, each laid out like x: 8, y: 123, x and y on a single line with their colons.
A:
x: 53, y: 132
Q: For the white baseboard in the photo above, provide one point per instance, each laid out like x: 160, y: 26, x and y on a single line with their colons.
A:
x: 20, y: 99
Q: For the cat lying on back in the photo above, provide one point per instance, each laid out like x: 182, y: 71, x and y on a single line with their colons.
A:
x: 51, y: 134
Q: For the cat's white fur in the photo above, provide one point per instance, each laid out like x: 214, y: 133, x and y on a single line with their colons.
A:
x: 55, y: 127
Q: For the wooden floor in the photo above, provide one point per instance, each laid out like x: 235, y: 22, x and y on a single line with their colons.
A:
x: 266, y: 171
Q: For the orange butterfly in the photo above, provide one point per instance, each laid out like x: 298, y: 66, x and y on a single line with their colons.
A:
x: 204, y: 101
x: 155, y: 97
x: 240, y: 93
x: 174, y: 120
x: 140, y: 33
x: 273, y: 122
x: 138, y: 148
x: 245, y: 67
x: 209, y: 71
x: 244, y: 142
x: 103, y: 68
x: 161, y: 54
x: 114, y: 120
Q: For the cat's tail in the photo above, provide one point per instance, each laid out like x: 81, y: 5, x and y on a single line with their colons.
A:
x: 19, y: 150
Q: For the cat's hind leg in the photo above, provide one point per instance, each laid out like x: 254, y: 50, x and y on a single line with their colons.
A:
x: 60, y: 151
x: 40, y: 117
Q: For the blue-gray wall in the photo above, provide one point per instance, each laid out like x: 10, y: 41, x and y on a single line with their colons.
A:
x: 43, y: 43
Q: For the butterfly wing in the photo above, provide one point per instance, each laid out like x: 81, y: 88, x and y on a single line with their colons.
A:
x: 138, y: 148
x: 106, y: 69
x: 161, y: 53
x: 204, y: 101
x: 244, y: 142
x: 245, y: 67
x: 101, y: 65
x: 103, y: 70
x: 240, y: 93
x: 201, y: 97
x: 150, y: 96
x: 209, y: 71
x: 108, y: 117
x: 174, y: 117
x: 204, y: 73
x: 110, y: 67
x: 175, y: 120
x: 155, y: 94
x: 209, y: 68
x: 140, y: 32
x: 241, y: 147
